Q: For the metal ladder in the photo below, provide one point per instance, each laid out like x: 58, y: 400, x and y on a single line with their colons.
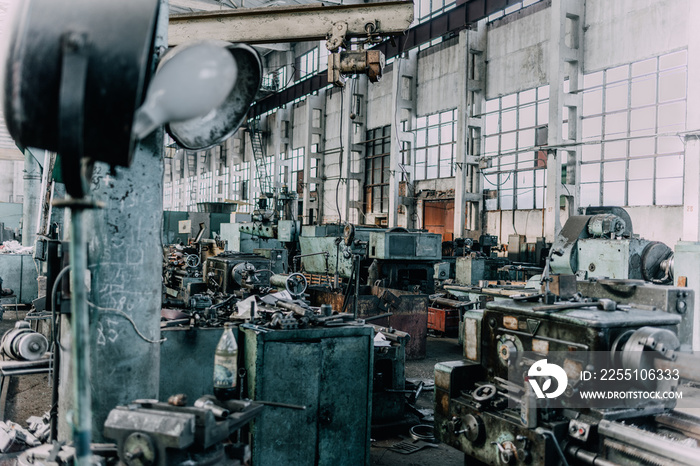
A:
x: 256, y: 142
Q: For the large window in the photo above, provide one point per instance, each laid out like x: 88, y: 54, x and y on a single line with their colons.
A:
x: 377, y: 170
x: 632, y: 114
x: 239, y: 184
x: 306, y: 64
x: 513, y: 126
x: 435, y: 145
x: 297, y: 170
x: 427, y: 9
x: 276, y: 80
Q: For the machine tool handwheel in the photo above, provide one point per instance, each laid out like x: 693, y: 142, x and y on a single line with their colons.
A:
x: 296, y: 284
x: 192, y: 260
x: 485, y: 392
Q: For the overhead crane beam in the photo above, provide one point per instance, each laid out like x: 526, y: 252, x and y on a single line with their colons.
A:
x: 290, y: 23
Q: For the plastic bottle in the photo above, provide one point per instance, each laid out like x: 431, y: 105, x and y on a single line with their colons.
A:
x: 226, y: 365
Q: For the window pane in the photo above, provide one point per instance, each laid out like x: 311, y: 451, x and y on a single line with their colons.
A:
x: 590, y: 173
x: 590, y: 194
x: 590, y: 152
x: 591, y: 127
x: 526, y: 198
x: 614, y: 171
x: 641, y: 169
x: 526, y: 138
x: 615, y: 97
x: 433, y: 119
x: 433, y: 135
x: 508, y: 101
x: 671, y: 166
x: 614, y: 193
x: 432, y: 156
x: 671, y: 116
x: 670, y: 144
x: 543, y: 113
x: 528, y: 96
x: 672, y: 85
x: 420, y: 171
x: 669, y: 191
x: 508, y: 120
x: 615, y: 150
x: 491, y: 145
x: 527, y: 116
x: 508, y: 162
x: 644, y: 67
x: 491, y: 123
x: 592, y: 80
x: 616, y: 124
x: 641, y: 192
x: 616, y: 74
x: 508, y: 142
x: 644, y: 146
x: 432, y: 172
x: 644, y: 91
x: 672, y: 60
x: 446, y: 133
x: 643, y: 118
x: 593, y: 102
x: 491, y: 106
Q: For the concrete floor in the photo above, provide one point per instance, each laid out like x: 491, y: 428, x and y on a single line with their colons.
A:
x: 438, y: 350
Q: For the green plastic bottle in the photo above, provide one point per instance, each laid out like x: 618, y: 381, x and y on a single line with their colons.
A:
x: 226, y: 365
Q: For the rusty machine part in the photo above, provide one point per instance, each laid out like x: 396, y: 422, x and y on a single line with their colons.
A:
x: 148, y: 432
x: 24, y: 344
x: 489, y: 407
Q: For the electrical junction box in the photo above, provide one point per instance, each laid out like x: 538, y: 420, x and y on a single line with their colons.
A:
x: 184, y: 226
x: 405, y: 245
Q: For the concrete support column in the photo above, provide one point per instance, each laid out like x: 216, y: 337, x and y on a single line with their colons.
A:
x: 31, y: 204
x: 355, y: 184
x: 403, y: 103
x: 468, y: 191
x: 280, y: 138
x: 125, y: 255
x: 313, y: 148
x: 566, y: 60
x: 691, y: 185
x: 347, y: 140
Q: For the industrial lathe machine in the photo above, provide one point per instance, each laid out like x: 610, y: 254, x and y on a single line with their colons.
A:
x: 594, y: 382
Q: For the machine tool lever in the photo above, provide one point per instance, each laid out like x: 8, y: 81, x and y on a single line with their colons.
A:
x: 602, y: 304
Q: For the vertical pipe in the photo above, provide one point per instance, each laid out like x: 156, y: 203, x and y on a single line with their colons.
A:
x: 31, y: 199
x: 80, y: 351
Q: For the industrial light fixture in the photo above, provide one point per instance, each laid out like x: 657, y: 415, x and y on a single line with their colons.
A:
x: 197, y: 79
x: 215, y: 126
x: 75, y: 62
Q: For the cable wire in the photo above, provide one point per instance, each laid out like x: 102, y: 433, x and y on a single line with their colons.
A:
x: 127, y: 317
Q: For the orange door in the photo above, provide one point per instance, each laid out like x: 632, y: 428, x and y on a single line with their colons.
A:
x: 438, y: 217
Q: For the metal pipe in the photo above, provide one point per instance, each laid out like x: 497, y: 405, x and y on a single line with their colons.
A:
x: 31, y: 199
x: 357, y: 286
x: 587, y: 457
x: 80, y: 351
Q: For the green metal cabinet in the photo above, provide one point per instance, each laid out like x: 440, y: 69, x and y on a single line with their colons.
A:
x: 328, y: 370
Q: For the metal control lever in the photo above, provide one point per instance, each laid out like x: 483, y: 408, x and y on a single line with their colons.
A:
x: 602, y: 304
x: 506, y: 454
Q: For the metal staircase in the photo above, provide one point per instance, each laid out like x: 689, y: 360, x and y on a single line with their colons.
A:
x: 256, y: 141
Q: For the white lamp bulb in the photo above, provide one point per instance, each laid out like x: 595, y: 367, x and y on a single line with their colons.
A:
x: 189, y: 84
